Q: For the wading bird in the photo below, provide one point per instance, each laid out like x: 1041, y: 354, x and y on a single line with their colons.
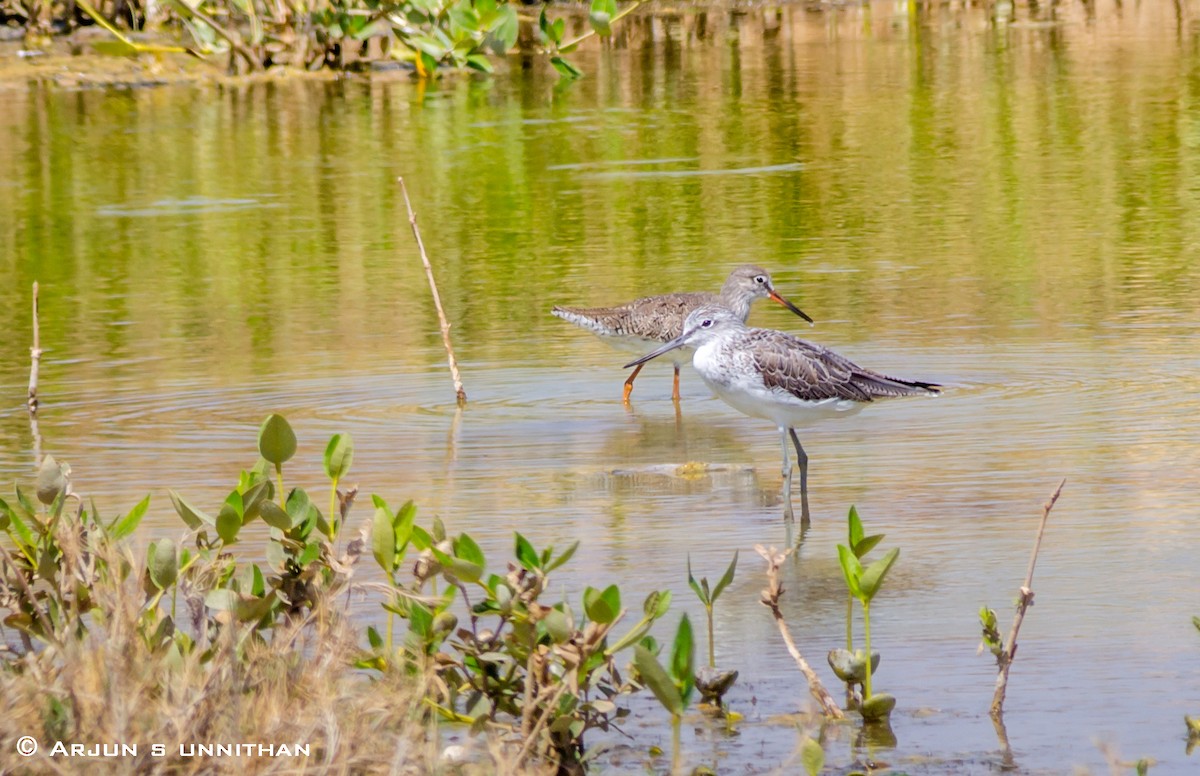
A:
x: 781, y: 378
x: 652, y: 320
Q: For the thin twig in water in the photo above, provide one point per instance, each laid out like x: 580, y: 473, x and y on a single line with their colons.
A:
x: 437, y: 300
x: 35, y: 354
x: 1026, y: 600
x: 770, y: 599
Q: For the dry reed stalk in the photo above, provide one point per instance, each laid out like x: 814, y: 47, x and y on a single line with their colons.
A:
x: 1006, y: 657
x: 770, y: 599
x: 35, y: 354
x: 459, y: 392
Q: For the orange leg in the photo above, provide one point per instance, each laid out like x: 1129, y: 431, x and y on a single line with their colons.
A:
x: 675, y: 392
x: 629, y: 382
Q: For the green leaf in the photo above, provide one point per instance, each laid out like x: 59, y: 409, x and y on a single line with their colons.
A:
x: 526, y: 555
x: 602, y: 606
x: 466, y: 549
x: 123, y: 526
x: 683, y: 659
x: 866, y: 545
x: 253, y: 498
x: 565, y: 68
x: 664, y: 603
x: 383, y: 540
x: 503, y: 33
x: 276, y: 440
x: 51, y: 480
x: 694, y: 585
x: 558, y: 625
x: 421, y: 538
x: 654, y: 677
x: 1196, y: 622
x: 851, y: 570
x: 428, y: 45
x: 463, y: 569
x: 872, y: 577
x: 229, y: 522
x: 601, y: 15
x: 19, y: 529
x: 562, y: 558
x: 812, y: 756
x: 726, y: 578
x: 162, y: 561
x: 311, y: 552
x: 192, y: 516
x: 374, y: 639
x: 222, y: 599
x: 480, y: 62
x: 856, y: 528
x: 298, y: 506
x: 274, y: 516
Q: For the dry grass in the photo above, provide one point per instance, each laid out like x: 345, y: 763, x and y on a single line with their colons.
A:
x: 298, y: 687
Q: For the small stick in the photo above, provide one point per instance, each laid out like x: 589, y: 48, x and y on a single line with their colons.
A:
x: 35, y: 354
x: 437, y: 300
x: 1005, y: 659
x: 770, y: 599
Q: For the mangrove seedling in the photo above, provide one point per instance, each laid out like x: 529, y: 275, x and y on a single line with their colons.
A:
x: 849, y: 664
x: 672, y: 685
x: 711, y: 683
x: 863, y: 584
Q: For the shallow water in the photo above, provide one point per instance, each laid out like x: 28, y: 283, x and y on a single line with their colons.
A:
x: 1009, y: 209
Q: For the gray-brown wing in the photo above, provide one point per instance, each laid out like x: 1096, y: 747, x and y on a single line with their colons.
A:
x: 653, y: 317
x: 812, y: 372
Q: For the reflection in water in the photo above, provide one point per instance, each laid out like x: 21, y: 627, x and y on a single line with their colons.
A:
x: 1002, y: 199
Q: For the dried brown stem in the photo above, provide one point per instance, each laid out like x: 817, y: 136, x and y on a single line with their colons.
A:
x: 437, y: 300
x: 1006, y: 657
x: 770, y: 599
x: 35, y: 354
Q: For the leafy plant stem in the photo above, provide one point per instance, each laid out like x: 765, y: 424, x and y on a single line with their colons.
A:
x: 279, y: 476
x: 333, y: 510
x: 850, y: 623
x: 712, y: 660
x: 676, y: 724
x: 866, y: 605
x: 576, y: 41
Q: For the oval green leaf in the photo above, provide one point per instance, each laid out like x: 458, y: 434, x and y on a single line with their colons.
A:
x: 339, y: 454
x: 276, y: 440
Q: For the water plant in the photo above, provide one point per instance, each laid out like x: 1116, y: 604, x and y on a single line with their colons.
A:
x: 252, y: 35
x: 711, y: 683
x: 864, y: 583
x: 849, y: 664
x: 530, y: 674
x: 1003, y: 651
x: 672, y: 685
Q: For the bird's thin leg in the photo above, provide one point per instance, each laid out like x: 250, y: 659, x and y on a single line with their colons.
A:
x: 629, y: 382
x: 788, y: 516
x: 675, y: 390
x: 802, y: 462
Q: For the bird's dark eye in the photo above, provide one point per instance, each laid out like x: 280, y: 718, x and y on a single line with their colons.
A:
x: 706, y: 323
x: 760, y: 279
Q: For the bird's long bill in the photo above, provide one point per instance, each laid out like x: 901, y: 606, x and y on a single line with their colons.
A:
x: 775, y: 297
x: 667, y: 348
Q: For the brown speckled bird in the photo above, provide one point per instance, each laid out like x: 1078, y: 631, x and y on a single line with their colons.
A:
x: 648, y: 322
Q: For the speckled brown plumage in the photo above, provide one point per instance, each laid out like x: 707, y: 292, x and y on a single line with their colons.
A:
x: 638, y: 325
